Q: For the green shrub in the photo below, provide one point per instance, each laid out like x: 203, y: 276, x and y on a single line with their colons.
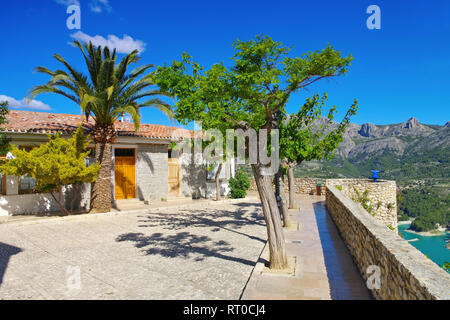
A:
x: 239, y: 185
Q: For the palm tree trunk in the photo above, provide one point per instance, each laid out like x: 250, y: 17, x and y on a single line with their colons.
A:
x: 275, y: 235
x: 101, y: 191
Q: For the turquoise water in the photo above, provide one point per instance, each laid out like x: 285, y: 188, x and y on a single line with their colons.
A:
x: 433, y: 247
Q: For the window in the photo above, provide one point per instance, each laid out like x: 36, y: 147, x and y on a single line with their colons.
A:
x: 124, y: 152
x: 91, y: 157
x: 26, y: 183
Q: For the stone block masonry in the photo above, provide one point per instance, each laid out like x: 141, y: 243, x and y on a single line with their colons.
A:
x: 404, y: 272
x: 152, y: 174
x: 302, y: 186
x: 379, y: 199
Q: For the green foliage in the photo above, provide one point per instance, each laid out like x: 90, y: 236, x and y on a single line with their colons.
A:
x: 109, y: 92
x: 248, y: 94
x: 339, y: 188
x: 301, y: 139
x: 57, y: 163
x: 402, y: 217
x: 239, y: 185
x: 426, y: 205
x: 446, y: 266
x: 4, y: 141
x: 391, y: 227
x: 364, y: 200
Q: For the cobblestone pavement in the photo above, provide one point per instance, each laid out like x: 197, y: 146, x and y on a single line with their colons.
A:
x: 191, y: 252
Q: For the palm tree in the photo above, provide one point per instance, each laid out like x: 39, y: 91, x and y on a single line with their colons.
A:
x: 106, y: 94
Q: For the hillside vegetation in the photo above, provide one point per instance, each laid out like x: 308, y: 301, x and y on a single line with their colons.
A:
x: 417, y: 156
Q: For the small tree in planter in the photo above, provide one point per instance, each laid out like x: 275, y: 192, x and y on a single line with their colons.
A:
x: 54, y: 165
x: 239, y: 185
x: 302, y: 139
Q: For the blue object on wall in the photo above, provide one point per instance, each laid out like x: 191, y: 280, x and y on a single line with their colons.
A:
x: 375, y: 175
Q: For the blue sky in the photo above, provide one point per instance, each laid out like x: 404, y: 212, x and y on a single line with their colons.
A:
x: 399, y: 71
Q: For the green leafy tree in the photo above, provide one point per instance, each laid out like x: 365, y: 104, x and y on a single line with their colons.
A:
x: 249, y: 94
x: 4, y: 140
x: 302, y: 138
x: 56, y: 164
x: 106, y: 94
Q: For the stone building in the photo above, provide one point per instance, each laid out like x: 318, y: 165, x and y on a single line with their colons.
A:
x: 144, y: 165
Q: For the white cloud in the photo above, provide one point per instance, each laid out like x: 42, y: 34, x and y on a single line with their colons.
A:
x: 24, y: 103
x: 125, y: 45
x: 68, y: 2
x: 98, y: 6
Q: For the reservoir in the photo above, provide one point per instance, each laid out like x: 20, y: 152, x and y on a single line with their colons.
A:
x: 433, y: 247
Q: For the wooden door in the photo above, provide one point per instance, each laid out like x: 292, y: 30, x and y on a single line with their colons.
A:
x: 174, y: 176
x: 125, y: 179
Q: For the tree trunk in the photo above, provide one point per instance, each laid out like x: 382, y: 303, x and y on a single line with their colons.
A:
x: 59, y: 202
x: 275, y: 235
x: 101, y: 190
x: 75, y: 194
x: 284, y: 208
x: 291, y: 180
x: 217, y: 178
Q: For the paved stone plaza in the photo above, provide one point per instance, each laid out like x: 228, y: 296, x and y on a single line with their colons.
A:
x: 193, y: 252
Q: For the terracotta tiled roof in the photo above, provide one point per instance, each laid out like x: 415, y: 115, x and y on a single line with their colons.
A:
x: 42, y: 122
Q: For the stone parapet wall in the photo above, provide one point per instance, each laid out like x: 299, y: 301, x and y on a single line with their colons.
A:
x: 302, y: 186
x: 380, y: 197
x: 404, y: 272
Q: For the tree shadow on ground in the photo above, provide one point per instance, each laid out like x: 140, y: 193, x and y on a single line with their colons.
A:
x: 344, y: 278
x: 217, y: 219
x: 187, y: 244
x: 6, y: 251
x: 182, y: 244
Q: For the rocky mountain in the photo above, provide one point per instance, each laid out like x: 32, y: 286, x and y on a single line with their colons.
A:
x: 408, y: 149
x: 362, y: 141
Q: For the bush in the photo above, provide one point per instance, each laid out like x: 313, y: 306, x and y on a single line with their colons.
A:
x: 239, y: 185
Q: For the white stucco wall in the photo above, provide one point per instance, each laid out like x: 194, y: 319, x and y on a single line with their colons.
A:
x: 27, y: 204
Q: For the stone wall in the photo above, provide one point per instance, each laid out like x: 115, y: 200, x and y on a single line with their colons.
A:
x: 192, y: 175
x: 152, y: 176
x: 404, y: 272
x: 380, y: 198
x: 302, y: 186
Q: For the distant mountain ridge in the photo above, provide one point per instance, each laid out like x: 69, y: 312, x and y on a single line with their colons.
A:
x: 370, y: 139
x: 404, y: 149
